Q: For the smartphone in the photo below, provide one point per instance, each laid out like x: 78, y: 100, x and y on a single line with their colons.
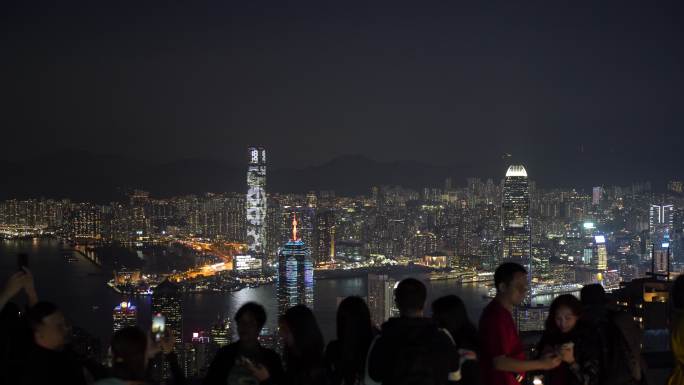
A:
x: 158, y: 326
x: 22, y: 261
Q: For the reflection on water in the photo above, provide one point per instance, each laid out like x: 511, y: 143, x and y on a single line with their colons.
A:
x: 80, y: 289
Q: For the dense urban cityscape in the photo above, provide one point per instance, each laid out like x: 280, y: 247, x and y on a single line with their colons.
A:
x: 342, y: 193
x: 617, y: 236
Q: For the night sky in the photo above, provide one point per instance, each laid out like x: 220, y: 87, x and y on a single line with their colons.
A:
x: 583, y: 86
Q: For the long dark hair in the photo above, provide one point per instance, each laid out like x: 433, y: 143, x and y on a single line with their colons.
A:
x: 552, y: 334
x: 449, y: 312
x: 565, y: 300
x: 307, y: 350
x: 354, y: 336
x: 129, y: 346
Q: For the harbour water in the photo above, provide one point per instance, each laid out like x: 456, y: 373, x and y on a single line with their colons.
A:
x: 80, y: 288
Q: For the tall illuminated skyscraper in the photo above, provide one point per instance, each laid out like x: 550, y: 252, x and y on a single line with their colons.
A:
x: 256, y: 202
x: 660, y: 223
x: 600, y: 257
x: 295, y: 273
x: 516, y: 215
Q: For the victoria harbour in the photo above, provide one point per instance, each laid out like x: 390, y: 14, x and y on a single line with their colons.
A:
x: 81, y: 287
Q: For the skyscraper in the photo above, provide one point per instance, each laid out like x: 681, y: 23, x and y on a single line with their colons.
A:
x: 256, y: 202
x: 166, y: 300
x: 324, y: 236
x: 515, y: 214
x: 124, y: 315
x: 600, y: 257
x: 381, y: 298
x: 660, y: 222
x: 295, y: 273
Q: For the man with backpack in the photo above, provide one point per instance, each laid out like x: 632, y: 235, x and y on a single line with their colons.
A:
x: 618, y: 335
x: 411, y: 350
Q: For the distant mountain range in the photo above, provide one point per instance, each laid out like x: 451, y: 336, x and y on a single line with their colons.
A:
x: 87, y: 176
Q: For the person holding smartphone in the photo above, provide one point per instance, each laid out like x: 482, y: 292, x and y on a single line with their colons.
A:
x: 502, y: 358
x: 566, y: 336
x: 235, y: 363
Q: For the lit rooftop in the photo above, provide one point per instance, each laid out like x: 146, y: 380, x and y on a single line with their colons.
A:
x: 516, y: 170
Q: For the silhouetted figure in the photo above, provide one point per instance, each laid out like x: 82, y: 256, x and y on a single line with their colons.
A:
x: 16, y: 338
x: 566, y: 335
x: 233, y: 363
x: 303, y: 347
x: 47, y: 362
x: 618, y: 337
x: 449, y: 313
x: 346, y: 356
x: 677, y: 330
x: 129, y: 357
x: 411, y: 349
x: 502, y: 358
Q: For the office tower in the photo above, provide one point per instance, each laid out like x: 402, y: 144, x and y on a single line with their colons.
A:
x: 324, y: 235
x: 166, y: 300
x: 515, y: 214
x: 124, y: 315
x: 600, y: 257
x: 596, y: 194
x: 295, y: 273
x: 676, y: 186
x: 381, y: 298
x: 256, y: 202
x: 660, y: 222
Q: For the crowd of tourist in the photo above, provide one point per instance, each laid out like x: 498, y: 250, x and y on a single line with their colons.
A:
x: 586, y: 341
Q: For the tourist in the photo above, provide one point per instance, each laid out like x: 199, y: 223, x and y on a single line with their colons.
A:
x: 677, y: 330
x: 129, y: 357
x: 566, y: 335
x: 302, y: 350
x: 449, y: 313
x: 233, y: 363
x: 618, y: 337
x: 346, y: 356
x: 411, y: 349
x: 48, y: 362
x: 502, y: 358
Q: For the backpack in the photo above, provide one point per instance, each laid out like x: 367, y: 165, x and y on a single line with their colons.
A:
x: 416, y: 362
x: 617, y: 359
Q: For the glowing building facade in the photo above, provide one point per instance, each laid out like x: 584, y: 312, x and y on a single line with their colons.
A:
x: 516, y: 215
x: 600, y: 257
x: 124, y: 315
x: 295, y: 273
x: 256, y: 202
